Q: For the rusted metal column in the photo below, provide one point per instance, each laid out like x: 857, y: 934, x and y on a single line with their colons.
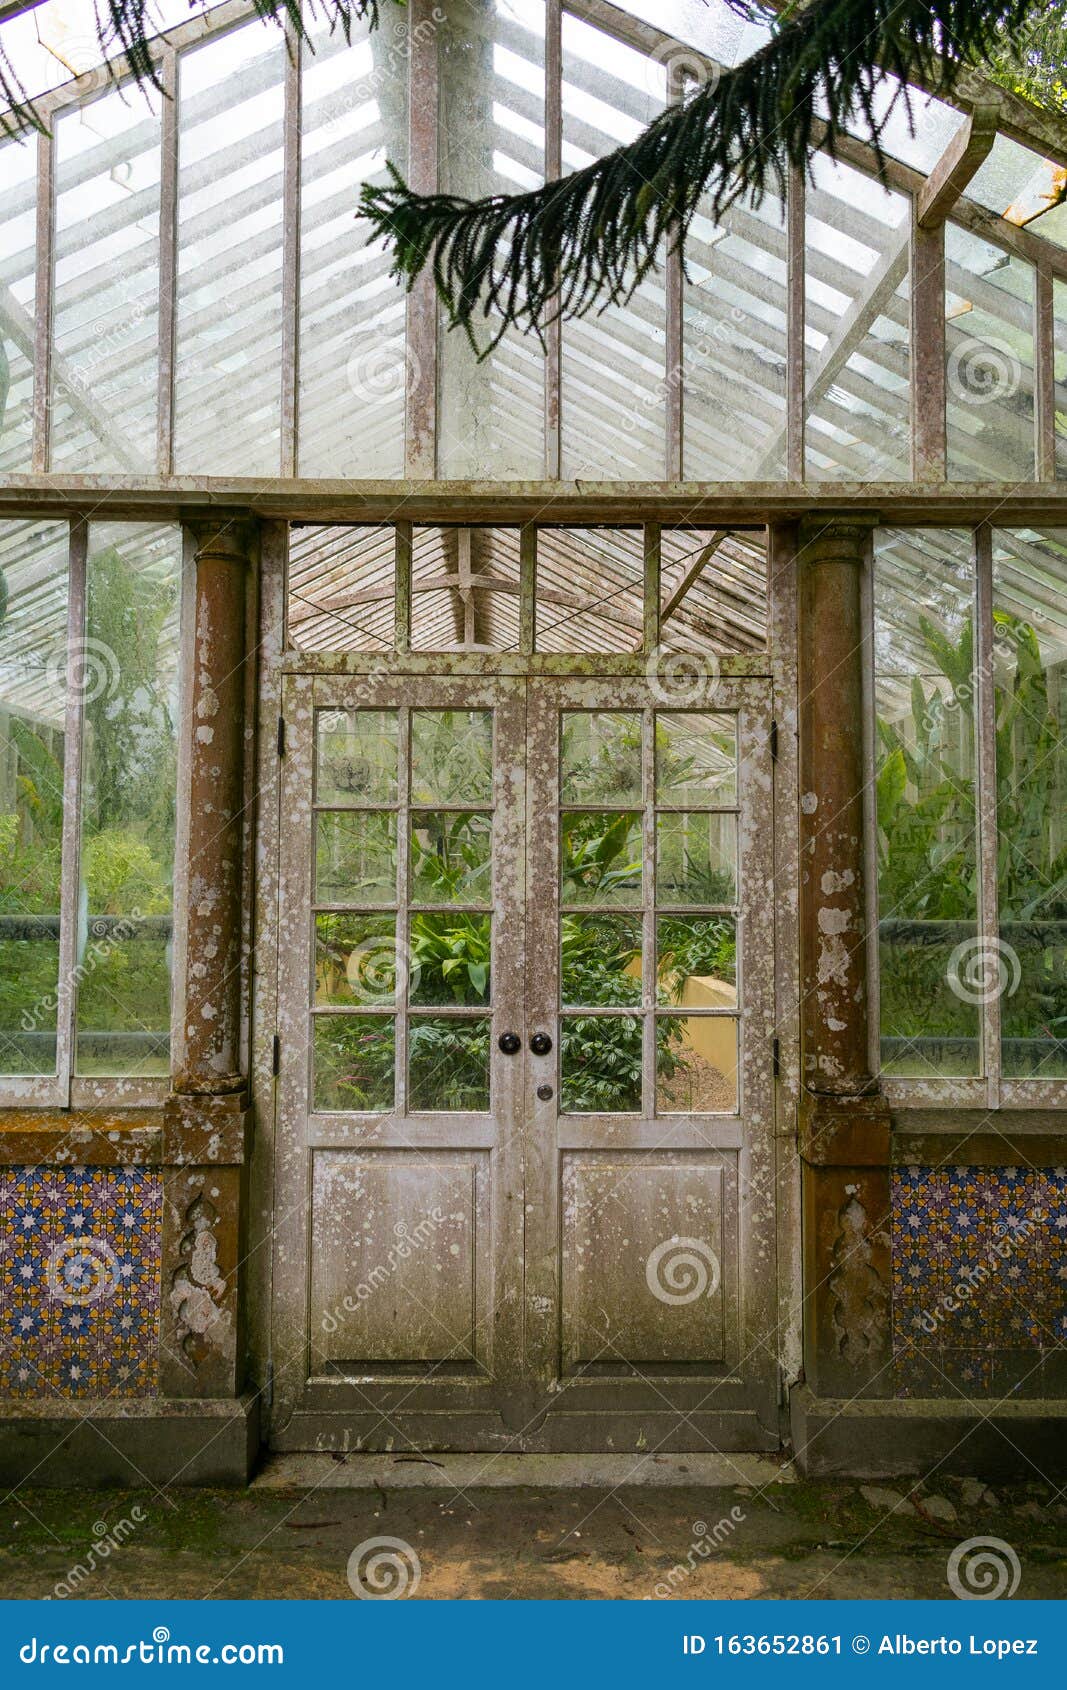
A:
x: 834, y: 1027
x: 208, y: 949
x: 844, y: 1123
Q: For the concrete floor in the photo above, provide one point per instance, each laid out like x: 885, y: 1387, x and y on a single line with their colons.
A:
x: 671, y: 1534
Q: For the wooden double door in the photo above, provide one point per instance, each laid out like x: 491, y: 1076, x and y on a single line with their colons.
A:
x: 524, y: 1145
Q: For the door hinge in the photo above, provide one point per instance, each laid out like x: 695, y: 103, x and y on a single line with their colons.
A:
x: 268, y: 1385
x: 774, y: 742
x: 281, y: 736
x: 776, y: 1056
x: 276, y: 1056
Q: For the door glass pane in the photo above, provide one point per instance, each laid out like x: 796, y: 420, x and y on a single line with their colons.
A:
x: 355, y: 857
x: 356, y: 756
x: 356, y: 959
x: 696, y: 758
x: 129, y: 675
x: 696, y: 858
x: 452, y: 756
x: 601, y: 857
x: 451, y: 857
x: 448, y: 1063
x: 924, y: 587
x: 353, y: 1059
x: 1029, y: 970
x: 33, y: 678
x: 600, y: 1064
x: 600, y: 961
x: 696, y: 1064
x: 601, y: 757
x: 450, y: 958
x: 696, y: 961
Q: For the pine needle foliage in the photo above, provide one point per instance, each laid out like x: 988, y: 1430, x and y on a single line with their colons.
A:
x: 590, y: 238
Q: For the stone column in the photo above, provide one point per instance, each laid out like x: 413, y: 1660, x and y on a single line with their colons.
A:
x: 844, y: 1123
x: 206, y: 1120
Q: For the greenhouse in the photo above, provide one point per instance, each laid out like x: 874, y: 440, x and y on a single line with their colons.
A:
x: 533, y: 874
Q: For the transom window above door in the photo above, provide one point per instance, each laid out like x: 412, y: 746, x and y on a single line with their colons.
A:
x: 410, y: 587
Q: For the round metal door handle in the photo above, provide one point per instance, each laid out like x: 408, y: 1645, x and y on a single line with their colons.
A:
x: 540, y: 1044
x: 509, y: 1043
x: 544, y: 1093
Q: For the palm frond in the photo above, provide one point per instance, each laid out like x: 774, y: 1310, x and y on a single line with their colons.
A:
x: 125, y: 29
x: 590, y: 238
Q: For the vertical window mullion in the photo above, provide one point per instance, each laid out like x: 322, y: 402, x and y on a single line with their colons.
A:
x: 403, y: 910
x: 870, y: 812
x: 44, y: 296
x: 986, y: 764
x: 794, y: 326
x: 73, y: 759
x: 421, y: 320
x: 651, y: 616
x: 649, y: 1024
x: 1045, y: 376
x: 291, y: 230
x: 553, y: 171
x: 168, y: 260
x: 673, y: 278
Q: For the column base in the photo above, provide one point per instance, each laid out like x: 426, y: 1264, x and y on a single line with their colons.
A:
x: 898, y: 1438
x: 111, y: 1444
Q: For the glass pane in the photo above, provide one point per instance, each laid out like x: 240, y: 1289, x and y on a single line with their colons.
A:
x: 356, y: 959
x: 129, y: 673
x: 107, y: 285
x: 713, y: 593
x: 465, y: 589
x: 600, y: 1064
x: 227, y: 391
x: 600, y: 961
x: 355, y: 857
x: 353, y: 1061
x: 989, y: 345
x: 857, y: 334
x: 601, y: 857
x: 590, y: 589
x: 18, y: 235
x: 353, y: 369
x: 340, y: 589
x: 451, y: 858
x: 33, y: 639
x: 1029, y: 970
x: 696, y: 961
x: 448, y: 1063
x: 356, y: 756
x: 614, y: 390
x: 696, y: 1064
x: 492, y: 100
x: 450, y: 958
x: 452, y: 756
x: 734, y: 335
x: 927, y: 863
x: 696, y: 858
x: 696, y: 758
x: 600, y: 756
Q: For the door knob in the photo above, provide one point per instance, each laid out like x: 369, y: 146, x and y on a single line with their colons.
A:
x: 540, y: 1044
x: 509, y: 1043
